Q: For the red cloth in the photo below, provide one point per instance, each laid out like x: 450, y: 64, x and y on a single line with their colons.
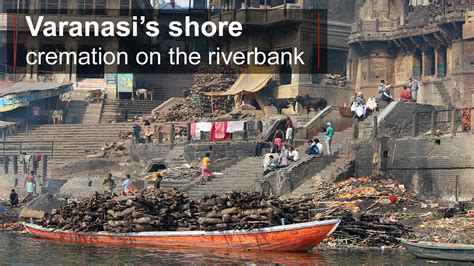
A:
x: 406, y: 96
x: 192, y: 129
x: 218, y: 131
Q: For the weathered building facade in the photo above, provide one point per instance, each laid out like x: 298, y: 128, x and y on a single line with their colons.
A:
x: 284, y: 25
x: 429, y: 40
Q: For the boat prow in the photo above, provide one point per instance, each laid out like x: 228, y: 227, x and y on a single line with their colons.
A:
x: 293, y: 237
x: 442, y: 251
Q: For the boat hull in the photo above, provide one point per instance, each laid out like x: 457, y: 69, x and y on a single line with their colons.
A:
x: 441, y: 251
x: 295, y: 237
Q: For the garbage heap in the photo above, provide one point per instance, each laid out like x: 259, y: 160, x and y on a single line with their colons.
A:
x: 453, y: 230
x: 198, y: 105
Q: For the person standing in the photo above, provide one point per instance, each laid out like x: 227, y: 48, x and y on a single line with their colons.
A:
x: 30, y: 183
x: 136, y: 132
x: 278, y: 139
x: 329, y: 136
x: 126, y: 185
x: 289, y: 131
x: 205, y: 171
x: 109, y: 184
x: 413, y: 85
x: 149, y: 131
x: 36, y: 114
x: 259, y: 144
x: 25, y: 159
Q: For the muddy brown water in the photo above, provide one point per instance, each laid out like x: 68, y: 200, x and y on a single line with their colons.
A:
x: 16, y: 249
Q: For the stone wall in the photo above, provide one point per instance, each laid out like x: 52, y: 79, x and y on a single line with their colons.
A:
x: 430, y: 166
x: 397, y: 119
x: 427, y: 166
x: 285, y: 180
x: 219, y: 150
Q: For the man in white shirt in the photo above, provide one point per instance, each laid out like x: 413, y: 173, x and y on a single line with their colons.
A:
x: 320, y: 146
x: 293, y: 154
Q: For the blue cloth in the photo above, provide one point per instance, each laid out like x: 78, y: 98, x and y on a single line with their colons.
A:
x: 126, y: 183
x: 30, y: 187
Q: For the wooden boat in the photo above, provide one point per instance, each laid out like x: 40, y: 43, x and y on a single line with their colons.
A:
x: 293, y: 237
x: 441, y: 251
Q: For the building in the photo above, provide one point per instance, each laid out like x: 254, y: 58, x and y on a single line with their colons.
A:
x: 283, y: 25
x: 429, y: 40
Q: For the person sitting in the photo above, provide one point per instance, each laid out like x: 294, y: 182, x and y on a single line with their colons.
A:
x: 282, y: 160
x: 384, y: 91
x: 14, y: 198
x: 312, y: 148
x: 293, y: 154
x: 406, y: 95
x: 358, y: 105
x: 319, y: 147
x: 372, y: 104
x: 271, y: 166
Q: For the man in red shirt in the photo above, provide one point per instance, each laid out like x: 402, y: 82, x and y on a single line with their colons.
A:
x: 406, y: 95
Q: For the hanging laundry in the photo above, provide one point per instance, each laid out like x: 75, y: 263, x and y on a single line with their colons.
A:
x: 218, y: 131
x: 235, y: 126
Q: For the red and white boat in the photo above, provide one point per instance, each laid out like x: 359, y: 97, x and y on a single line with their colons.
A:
x: 293, y: 237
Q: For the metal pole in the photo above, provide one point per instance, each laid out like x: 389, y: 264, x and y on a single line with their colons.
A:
x: 415, y: 124
x: 375, y: 126
x: 453, y: 121
x: 433, y: 123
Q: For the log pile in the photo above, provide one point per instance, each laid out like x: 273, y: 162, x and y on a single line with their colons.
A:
x: 169, y: 210
x: 149, y: 210
x: 109, y: 150
x: 198, y: 105
x: 333, y: 80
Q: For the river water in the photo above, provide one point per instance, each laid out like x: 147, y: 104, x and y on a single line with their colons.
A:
x: 21, y: 249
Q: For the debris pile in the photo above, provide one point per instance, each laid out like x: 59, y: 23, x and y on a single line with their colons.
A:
x: 453, y: 230
x: 109, y: 150
x: 197, y: 104
x: 333, y: 80
x: 372, y: 210
x: 179, y: 173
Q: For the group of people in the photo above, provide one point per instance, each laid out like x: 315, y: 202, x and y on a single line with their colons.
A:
x: 127, y: 185
x: 409, y: 92
x: 360, y: 107
x: 286, y: 156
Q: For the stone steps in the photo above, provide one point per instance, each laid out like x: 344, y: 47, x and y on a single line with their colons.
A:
x: 240, y: 177
x: 329, y: 172
x: 120, y: 110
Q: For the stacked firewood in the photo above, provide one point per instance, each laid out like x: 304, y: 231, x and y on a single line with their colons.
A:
x: 198, y: 105
x: 170, y: 210
x: 108, y: 150
x: 333, y: 80
x: 149, y: 210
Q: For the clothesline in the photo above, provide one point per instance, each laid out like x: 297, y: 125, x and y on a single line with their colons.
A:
x: 219, y: 130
